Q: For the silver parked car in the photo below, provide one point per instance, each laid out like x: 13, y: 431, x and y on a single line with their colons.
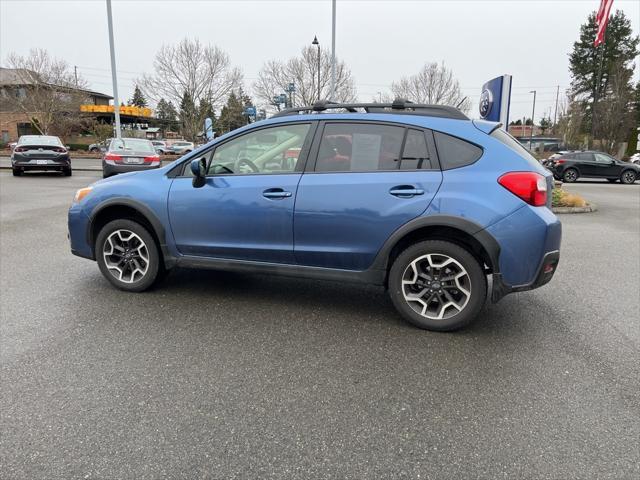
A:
x: 181, y: 147
x: 129, y: 155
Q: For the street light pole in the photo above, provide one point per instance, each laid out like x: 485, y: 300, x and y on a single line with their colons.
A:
x: 332, y: 90
x: 316, y: 42
x: 116, y: 101
x: 533, y: 117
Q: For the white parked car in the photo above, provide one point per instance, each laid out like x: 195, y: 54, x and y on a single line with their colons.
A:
x: 635, y: 158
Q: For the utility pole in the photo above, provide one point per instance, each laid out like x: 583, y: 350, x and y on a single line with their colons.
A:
x: 116, y: 101
x: 75, y: 73
x: 533, y: 118
x: 332, y: 90
x: 555, y: 114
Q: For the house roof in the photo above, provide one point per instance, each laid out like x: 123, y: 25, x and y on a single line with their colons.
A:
x: 14, y: 76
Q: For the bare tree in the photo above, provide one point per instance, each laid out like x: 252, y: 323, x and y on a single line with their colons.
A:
x: 615, y: 112
x: 302, y: 71
x: 189, y: 69
x: 46, y: 90
x: 434, y: 84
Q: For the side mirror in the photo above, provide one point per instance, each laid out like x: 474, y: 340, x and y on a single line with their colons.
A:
x: 199, y: 170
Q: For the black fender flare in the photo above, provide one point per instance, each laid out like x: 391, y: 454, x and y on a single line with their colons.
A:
x: 478, y: 232
x: 141, y: 208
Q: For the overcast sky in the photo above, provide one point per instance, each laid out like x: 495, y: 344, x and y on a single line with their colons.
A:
x: 380, y: 40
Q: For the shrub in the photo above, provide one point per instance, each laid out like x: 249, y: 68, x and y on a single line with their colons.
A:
x: 78, y: 146
x: 562, y: 198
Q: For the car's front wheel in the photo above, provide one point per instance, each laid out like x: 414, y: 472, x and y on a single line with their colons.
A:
x: 67, y: 172
x: 437, y: 285
x: 127, y: 255
x: 16, y: 172
x: 628, y: 177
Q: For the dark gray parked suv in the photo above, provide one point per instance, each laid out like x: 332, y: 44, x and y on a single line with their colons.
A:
x: 128, y: 155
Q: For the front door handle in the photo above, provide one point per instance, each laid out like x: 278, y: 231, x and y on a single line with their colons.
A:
x: 406, y: 191
x: 276, y: 193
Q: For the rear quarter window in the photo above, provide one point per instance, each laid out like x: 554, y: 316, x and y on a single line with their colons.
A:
x: 454, y: 152
x: 514, y: 145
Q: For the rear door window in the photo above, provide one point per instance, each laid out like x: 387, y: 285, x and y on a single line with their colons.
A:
x: 359, y: 147
x: 454, y: 152
x: 416, y: 155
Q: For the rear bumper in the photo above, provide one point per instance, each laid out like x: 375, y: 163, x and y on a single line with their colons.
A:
x: 529, y: 242
x: 110, y: 169
x: 545, y: 273
x: 28, y: 165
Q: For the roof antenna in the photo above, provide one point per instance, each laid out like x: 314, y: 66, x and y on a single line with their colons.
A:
x: 461, y: 102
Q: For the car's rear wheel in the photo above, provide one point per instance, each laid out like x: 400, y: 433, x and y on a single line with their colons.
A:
x: 570, y: 175
x: 628, y: 177
x: 437, y: 285
x: 127, y: 255
x: 16, y: 172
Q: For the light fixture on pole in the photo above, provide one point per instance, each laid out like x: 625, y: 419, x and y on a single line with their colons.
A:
x: 116, y: 101
x: 533, y: 116
x: 316, y: 42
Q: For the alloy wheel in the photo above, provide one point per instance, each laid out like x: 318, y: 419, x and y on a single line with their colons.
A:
x: 629, y: 177
x: 126, y: 256
x: 570, y: 176
x: 436, y: 286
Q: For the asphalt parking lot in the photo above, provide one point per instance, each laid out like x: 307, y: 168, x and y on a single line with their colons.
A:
x: 220, y: 375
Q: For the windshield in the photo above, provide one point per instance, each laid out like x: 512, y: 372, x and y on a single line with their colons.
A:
x: 39, y: 140
x: 133, y: 144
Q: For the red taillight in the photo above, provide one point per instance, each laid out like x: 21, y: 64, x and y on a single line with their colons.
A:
x: 559, y: 162
x: 113, y: 156
x: 152, y: 159
x: 20, y: 149
x: 529, y: 186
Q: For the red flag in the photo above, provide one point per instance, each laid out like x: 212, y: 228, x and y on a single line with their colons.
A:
x: 602, y: 18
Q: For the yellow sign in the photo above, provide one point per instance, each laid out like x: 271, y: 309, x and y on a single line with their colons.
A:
x: 126, y: 110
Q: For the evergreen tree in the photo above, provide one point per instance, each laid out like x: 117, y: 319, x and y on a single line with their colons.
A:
x: 232, y: 114
x: 138, y: 99
x: 545, y: 123
x: 593, y: 69
x: 189, y: 116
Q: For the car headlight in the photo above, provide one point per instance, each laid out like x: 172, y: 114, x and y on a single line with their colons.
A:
x: 80, y: 194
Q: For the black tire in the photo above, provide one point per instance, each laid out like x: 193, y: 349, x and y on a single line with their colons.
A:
x: 105, y: 175
x: 155, y: 267
x: 476, y: 277
x: 67, y: 172
x: 16, y: 172
x: 570, y: 175
x: 628, y: 177
x: 612, y: 180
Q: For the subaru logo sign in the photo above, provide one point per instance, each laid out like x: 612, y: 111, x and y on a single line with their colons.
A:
x: 486, y: 102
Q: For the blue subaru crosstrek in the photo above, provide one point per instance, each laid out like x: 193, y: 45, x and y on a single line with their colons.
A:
x: 442, y: 210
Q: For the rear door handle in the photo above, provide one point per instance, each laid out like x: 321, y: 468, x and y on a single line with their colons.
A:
x: 406, y: 191
x: 276, y: 193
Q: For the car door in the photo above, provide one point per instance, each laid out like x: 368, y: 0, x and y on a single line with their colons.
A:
x: 607, y: 166
x: 245, y: 208
x: 586, y: 163
x: 366, y: 180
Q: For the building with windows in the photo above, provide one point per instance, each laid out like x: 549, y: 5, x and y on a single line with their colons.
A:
x: 14, y: 121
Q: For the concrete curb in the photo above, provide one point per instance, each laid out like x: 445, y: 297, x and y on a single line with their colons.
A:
x: 75, y: 169
x: 591, y: 207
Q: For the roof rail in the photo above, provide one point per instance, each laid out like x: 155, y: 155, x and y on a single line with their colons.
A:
x: 398, y: 106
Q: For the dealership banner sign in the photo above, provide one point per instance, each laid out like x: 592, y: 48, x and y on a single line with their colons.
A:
x: 495, y: 100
